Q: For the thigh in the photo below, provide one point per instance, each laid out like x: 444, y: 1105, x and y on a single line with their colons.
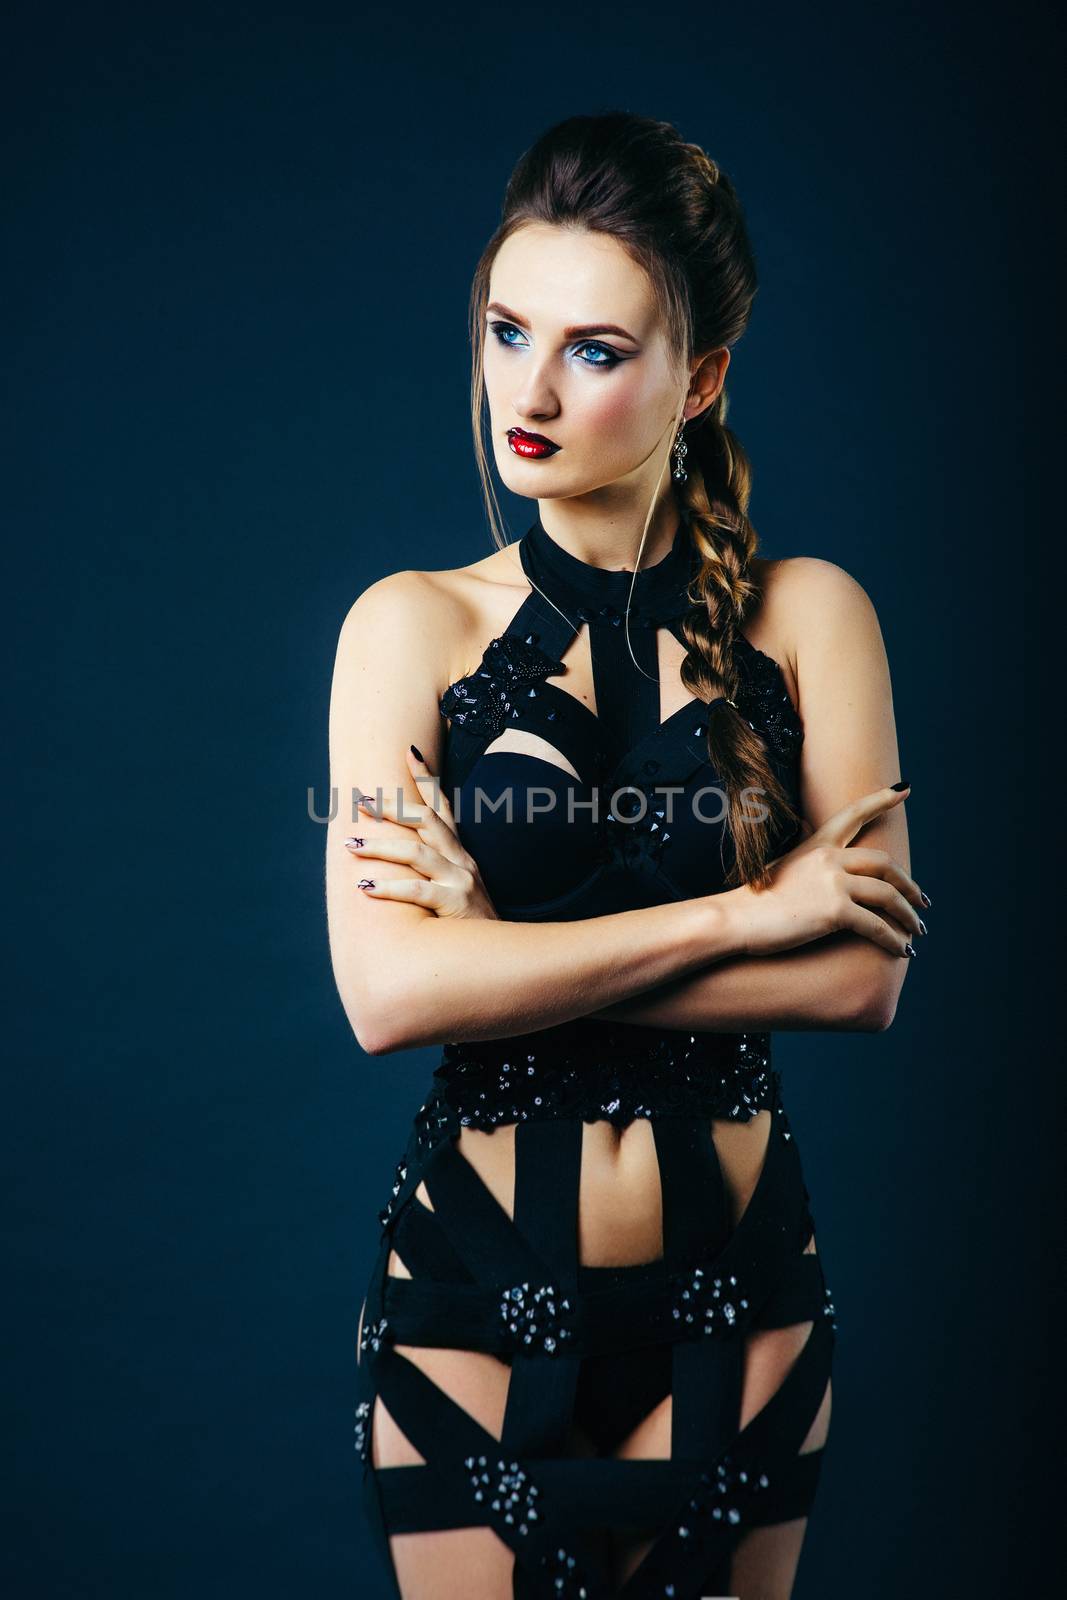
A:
x: 763, y: 1560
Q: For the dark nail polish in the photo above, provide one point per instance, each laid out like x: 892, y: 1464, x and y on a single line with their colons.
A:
x: 925, y: 898
x: 899, y: 786
x: 417, y: 753
x: 366, y: 883
x: 909, y: 950
x: 922, y: 925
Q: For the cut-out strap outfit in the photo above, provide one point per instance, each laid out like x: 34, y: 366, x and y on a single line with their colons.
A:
x: 590, y: 1347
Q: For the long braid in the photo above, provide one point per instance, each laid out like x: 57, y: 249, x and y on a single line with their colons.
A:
x: 715, y: 497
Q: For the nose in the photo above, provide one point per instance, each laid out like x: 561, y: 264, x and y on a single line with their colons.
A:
x: 535, y: 399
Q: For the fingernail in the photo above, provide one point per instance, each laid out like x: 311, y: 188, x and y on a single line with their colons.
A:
x: 417, y: 753
x: 354, y: 843
x: 925, y: 898
x: 922, y: 925
x: 367, y: 804
x: 900, y: 785
x: 909, y: 950
x: 368, y: 883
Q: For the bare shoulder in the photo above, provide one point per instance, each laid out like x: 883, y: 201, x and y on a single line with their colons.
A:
x: 804, y: 597
x: 436, y: 618
x: 407, y: 600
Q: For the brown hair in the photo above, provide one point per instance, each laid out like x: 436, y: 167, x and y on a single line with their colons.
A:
x: 677, y: 214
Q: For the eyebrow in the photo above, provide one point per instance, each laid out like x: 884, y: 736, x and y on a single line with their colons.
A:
x: 586, y: 331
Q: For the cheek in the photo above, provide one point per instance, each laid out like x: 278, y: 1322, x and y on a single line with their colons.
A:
x: 623, y: 416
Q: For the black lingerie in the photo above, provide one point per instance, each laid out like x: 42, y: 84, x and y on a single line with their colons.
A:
x: 596, y: 1348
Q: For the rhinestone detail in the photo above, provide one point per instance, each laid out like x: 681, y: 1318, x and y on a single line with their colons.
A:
x: 722, y: 1497
x: 373, y: 1335
x: 386, y: 1213
x: 362, y: 1428
x: 634, y: 831
x: 763, y: 700
x: 535, y: 1318
x: 601, y: 1077
x: 705, y: 1303
x: 506, y: 1490
x: 485, y: 701
x: 565, y: 1576
x: 434, y: 1121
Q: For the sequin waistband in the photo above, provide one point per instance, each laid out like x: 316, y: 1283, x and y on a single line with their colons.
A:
x: 606, y: 1071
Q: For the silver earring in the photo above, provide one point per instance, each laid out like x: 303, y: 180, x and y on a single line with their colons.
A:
x: 678, y: 451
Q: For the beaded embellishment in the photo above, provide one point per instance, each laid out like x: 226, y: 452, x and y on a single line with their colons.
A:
x: 535, y: 1318
x: 483, y: 702
x: 373, y: 1335
x: 726, y: 1491
x: 386, y: 1213
x: 636, y: 831
x: 362, y: 1428
x: 435, y: 1121
x: 566, y: 1581
x: 504, y: 1081
x: 762, y: 699
x: 704, y: 1304
x: 505, y: 1489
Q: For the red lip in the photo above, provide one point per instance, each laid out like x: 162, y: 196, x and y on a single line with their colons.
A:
x: 530, y: 445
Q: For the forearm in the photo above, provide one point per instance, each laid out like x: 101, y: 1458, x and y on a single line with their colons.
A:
x: 480, y: 979
x: 841, y: 982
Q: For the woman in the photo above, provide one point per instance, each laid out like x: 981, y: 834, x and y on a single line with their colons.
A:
x: 618, y: 776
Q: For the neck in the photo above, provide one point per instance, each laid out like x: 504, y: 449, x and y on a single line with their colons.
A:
x: 607, y: 540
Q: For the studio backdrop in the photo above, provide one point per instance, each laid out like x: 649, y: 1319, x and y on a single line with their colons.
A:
x: 240, y: 244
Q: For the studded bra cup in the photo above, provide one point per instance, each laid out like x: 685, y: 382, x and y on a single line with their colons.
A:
x: 642, y: 824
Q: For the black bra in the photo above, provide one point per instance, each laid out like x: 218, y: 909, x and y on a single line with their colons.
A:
x: 642, y: 823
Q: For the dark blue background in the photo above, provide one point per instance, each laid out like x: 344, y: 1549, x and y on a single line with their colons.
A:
x: 237, y: 376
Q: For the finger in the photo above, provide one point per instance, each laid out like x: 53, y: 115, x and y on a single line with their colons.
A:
x: 846, y: 823
x: 408, y: 849
x: 439, y: 819
x: 430, y: 787
x: 437, y: 830
x: 878, y: 864
x: 393, y: 807
x: 873, y: 927
x: 415, y: 891
x: 394, y: 847
x: 419, y: 767
x: 876, y: 892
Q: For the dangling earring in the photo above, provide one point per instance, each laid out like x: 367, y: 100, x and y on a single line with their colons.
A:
x: 678, y: 451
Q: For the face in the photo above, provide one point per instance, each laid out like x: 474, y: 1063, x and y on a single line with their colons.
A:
x: 575, y: 352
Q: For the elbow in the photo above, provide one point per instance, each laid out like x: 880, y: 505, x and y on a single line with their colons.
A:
x: 877, y: 1015
x: 374, y: 1039
x: 393, y: 1020
x: 375, y: 1025
x: 877, y: 999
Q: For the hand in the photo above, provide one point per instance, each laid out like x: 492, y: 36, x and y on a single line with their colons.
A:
x: 825, y: 885
x: 449, y: 884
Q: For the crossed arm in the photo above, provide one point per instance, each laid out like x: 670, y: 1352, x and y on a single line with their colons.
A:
x: 407, y: 977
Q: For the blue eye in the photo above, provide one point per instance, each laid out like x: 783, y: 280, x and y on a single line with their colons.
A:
x: 501, y: 330
x: 611, y: 358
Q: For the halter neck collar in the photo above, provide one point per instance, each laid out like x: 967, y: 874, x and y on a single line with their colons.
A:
x: 578, y: 587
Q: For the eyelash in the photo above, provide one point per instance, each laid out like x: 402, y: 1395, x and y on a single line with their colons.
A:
x: 499, y: 328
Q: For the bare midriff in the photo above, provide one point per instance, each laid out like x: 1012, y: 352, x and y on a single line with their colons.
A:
x: 620, y: 1207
